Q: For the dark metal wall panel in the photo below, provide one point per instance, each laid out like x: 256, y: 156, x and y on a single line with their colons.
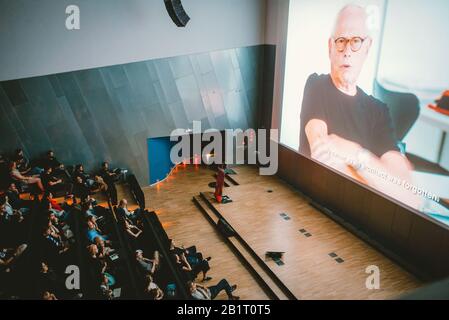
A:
x: 14, y: 92
x: 108, y: 113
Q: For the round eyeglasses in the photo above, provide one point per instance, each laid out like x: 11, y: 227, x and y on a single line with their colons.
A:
x: 355, y: 43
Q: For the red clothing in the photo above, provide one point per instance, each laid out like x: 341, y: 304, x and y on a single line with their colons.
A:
x: 55, y: 205
x: 219, y: 185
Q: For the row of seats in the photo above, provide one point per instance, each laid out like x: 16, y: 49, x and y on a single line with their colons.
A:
x: 105, y: 252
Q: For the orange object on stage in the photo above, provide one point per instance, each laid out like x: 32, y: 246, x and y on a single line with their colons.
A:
x: 219, y: 184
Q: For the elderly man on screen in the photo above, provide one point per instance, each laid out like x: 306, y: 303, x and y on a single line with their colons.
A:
x: 342, y: 126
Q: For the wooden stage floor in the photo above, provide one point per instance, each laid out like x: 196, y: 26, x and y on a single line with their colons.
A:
x: 309, y: 271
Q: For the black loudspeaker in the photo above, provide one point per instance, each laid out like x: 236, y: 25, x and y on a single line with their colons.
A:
x: 177, y: 12
x: 225, y: 228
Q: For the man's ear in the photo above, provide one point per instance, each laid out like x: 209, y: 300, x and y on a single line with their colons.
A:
x: 329, y: 45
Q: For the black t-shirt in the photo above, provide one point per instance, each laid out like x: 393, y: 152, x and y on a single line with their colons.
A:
x: 105, y: 174
x: 51, y: 162
x: 360, y: 118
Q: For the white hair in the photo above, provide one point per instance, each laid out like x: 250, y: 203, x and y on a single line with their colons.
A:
x: 350, y: 7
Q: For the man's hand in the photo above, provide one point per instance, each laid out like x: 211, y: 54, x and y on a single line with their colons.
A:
x: 344, y: 147
x: 331, y: 150
x: 335, y: 151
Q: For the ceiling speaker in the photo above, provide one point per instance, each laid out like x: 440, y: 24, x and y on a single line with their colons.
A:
x: 177, y: 12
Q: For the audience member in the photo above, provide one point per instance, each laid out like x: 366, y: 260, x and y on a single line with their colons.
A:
x: 148, y: 265
x: 17, y: 176
x: 200, y: 292
x: 123, y: 211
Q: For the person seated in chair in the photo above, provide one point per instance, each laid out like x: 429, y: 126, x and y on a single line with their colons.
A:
x: 100, y: 185
x: 103, y: 250
x: 96, y: 262
x: 93, y: 232
x: 58, y: 168
x: 23, y: 164
x: 55, y: 241
x: 17, y: 176
x: 14, y: 197
x: 8, y: 256
x: 191, y: 272
x: 106, y: 282
x: 60, y: 224
x: 49, y: 199
x: 86, y: 179
x: 88, y: 209
x: 200, y: 292
x: 110, y: 177
x: 47, y: 295
x: 59, y: 229
x: 59, y: 214
x: 194, y: 258
x: 80, y: 189
x: 8, y: 213
x: 122, y: 210
x: 49, y: 280
x: 152, y: 290
x: 54, y: 184
x: 148, y: 265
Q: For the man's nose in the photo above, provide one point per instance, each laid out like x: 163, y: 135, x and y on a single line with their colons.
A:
x: 347, y: 51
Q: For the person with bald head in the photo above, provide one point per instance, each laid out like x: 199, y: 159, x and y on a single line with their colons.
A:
x: 342, y: 126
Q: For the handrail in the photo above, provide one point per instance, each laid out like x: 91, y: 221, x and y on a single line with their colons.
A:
x: 125, y: 252
x: 261, y: 263
x: 86, y: 280
x: 136, y: 191
x: 253, y: 271
x: 164, y: 251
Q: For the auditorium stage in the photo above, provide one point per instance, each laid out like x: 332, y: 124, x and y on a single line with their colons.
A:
x: 322, y: 259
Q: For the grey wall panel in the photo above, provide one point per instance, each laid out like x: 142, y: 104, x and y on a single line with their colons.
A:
x: 235, y: 109
x: 56, y: 86
x: 152, y: 70
x: 108, y: 113
x: 161, y: 102
x: 8, y: 131
x: 75, y: 147
x: 212, y: 90
x: 224, y: 71
x: 167, y: 80
x: 181, y: 66
x: 204, y: 62
x: 191, y: 98
x: 14, y: 92
x: 118, y: 75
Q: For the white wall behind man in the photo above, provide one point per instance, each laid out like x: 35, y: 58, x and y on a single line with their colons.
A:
x: 415, y: 49
x: 34, y: 40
